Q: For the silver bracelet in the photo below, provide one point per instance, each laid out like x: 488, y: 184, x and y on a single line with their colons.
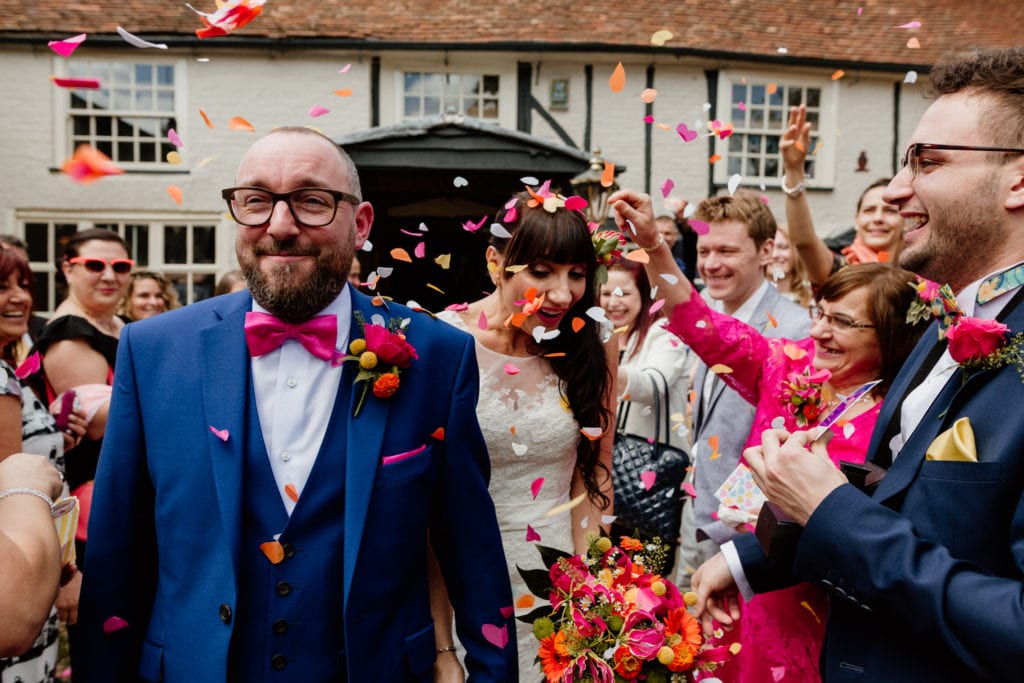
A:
x: 792, y: 192
x: 28, y: 492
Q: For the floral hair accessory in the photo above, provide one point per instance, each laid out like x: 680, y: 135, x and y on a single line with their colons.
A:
x: 606, y: 250
x: 613, y: 617
x: 802, y: 392
x: 382, y: 353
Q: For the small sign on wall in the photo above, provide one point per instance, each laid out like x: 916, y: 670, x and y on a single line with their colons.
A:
x: 559, y: 94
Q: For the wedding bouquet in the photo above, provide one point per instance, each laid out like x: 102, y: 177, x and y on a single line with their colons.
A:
x: 613, y: 618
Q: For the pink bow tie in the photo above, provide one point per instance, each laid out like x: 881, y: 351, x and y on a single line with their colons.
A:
x: 265, y: 333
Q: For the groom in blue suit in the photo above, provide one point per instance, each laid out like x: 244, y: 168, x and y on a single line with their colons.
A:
x: 926, y: 569
x: 257, y: 516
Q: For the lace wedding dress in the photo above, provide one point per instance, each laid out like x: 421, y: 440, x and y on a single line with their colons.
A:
x: 531, y: 435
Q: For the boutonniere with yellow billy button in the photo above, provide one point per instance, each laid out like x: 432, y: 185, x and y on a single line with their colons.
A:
x: 382, y: 354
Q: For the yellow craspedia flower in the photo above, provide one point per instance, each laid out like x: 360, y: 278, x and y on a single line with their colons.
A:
x: 658, y: 588
x: 665, y: 655
x: 368, y: 361
x: 606, y: 577
x: 631, y: 596
x: 604, y: 544
x: 357, y: 346
x: 690, y: 598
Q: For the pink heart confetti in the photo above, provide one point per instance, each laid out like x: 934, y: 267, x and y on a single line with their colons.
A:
x: 667, y: 187
x: 535, y: 486
x: 495, y: 635
x: 172, y: 135
x: 221, y: 434
x: 688, y: 489
x: 510, y: 215
x: 508, y: 611
x: 114, y: 624
x: 687, y: 134
x: 65, y: 47
x: 531, y: 534
x: 699, y: 227
x: 29, y: 367
x: 482, y: 321
x: 470, y: 226
x: 648, y: 477
x: 316, y: 110
x: 510, y: 369
x: 576, y: 203
x: 778, y: 672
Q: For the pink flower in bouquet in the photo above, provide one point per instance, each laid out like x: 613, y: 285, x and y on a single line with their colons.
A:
x: 391, y: 347
x: 972, y: 339
x: 589, y: 668
x: 643, y: 634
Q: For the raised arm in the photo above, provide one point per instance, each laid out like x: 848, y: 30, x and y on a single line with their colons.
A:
x: 793, y: 147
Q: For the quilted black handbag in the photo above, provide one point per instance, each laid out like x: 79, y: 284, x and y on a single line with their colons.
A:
x: 656, y: 511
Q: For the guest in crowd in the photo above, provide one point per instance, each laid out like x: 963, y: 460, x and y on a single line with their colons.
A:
x: 533, y: 364
x: 148, y: 293
x: 878, y: 225
x: 78, y: 348
x: 786, y: 270
x: 36, y: 322
x: 30, y: 568
x: 860, y: 334
x: 26, y: 426
x: 651, y: 359
x: 355, y: 274
x: 231, y: 281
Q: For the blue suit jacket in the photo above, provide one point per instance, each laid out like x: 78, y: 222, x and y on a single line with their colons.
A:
x: 926, y: 575
x: 164, y: 535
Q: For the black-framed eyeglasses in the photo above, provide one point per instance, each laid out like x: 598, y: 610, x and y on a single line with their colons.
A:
x: 837, y: 322
x: 121, y: 266
x: 313, y: 207
x: 912, y: 157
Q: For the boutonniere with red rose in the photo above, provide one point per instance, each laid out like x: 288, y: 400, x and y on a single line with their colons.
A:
x: 802, y: 394
x: 382, y: 353
x: 979, y: 344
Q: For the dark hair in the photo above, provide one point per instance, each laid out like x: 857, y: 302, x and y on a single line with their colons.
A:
x: 12, y: 262
x: 890, y: 292
x: 998, y: 74
x: 744, y: 206
x: 578, y: 359
x: 13, y: 241
x: 881, y: 182
x: 74, y: 245
x: 644, y: 320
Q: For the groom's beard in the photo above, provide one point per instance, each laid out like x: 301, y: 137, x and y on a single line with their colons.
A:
x: 288, y: 291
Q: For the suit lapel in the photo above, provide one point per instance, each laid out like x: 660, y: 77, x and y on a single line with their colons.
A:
x: 224, y: 360
x: 364, y: 436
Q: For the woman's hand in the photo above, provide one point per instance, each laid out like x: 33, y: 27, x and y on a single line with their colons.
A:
x: 67, y: 600
x: 636, y: 209
x: 75, y: 430
x: 795, y: 143
x: 447, y: 669
x: 25, y: 470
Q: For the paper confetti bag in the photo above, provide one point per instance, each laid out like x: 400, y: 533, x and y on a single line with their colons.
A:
x: 65, y: 517
x: 739, y: 491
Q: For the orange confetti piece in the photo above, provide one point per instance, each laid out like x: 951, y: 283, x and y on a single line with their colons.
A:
x: 518, y: 319
x: 400, y: 254
x: 883, y: 257
x: 175, y: 193
x: 291, y: 492
x: 691, y: 396
x: 608, y: 174
x: 914, y: 43
x: 512, y: 429
x: 714, y: 158
x: 525, y: 601
x: 344, y: 92
x: 800, y: 146
x: 578, y: 324
x: 720, y: 369
x: 837, y: 74
x: 88, y: 164
x: 807, y: 606
x: 273, y: 550
x: 239, y: 123
x: 793, y: 351
x: 618, y: 80
x: 206, y: 119
x: 772, y: 321
x: 639, y: 256
x: 556, y: 354
x: 663, y: 126
x: 438, y: 434
x: 772, y: 88
x: 713, y: 442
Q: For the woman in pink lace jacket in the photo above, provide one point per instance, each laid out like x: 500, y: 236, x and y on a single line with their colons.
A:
x: 860, y: 334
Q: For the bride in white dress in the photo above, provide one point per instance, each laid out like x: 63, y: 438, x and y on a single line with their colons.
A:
x: 536, y: 396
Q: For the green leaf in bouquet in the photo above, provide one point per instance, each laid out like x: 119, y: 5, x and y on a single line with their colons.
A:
x: 550, y: 556
x: 542, y: 611
x: 537, y: 580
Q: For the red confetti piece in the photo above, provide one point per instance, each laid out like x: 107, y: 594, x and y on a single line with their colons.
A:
x: 73, y: 83
x: 438, y: 434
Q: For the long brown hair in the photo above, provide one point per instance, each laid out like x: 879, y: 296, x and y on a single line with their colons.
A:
x: 644, y: 319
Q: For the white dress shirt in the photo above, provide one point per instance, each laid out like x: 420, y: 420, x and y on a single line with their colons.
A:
x: 295, y: 394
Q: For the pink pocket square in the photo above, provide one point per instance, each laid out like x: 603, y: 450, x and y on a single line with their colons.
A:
x: 399, y: 457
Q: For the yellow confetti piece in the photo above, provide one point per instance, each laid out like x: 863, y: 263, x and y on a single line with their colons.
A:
x: 435, y: 288
x: 205, y: 161
x: 444, y: 260
x: 173, y: 157
x: 806, y: 605
x: 344, y: 92
x: 559, y: 509
x: 513, y: 269
x: 735, y: 648
x: 175, y: 192
x: 620, y: 330
x: 661, y: 37
x: 837, y: 74
x: 817, y: 148
x: 720, y: 369
x: 618, y: 79
x: 239, y: 123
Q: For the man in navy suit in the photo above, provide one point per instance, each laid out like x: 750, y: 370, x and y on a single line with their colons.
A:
x: 257, y: 516
x: 926, y: 571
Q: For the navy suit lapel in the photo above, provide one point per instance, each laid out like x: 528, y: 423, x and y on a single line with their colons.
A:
x: 364, y: 436
x: 224, y: 360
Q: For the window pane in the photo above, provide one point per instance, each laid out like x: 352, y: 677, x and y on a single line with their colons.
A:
x: 739, y: 92
x: 772, y: 144
x: 735, y: 165
x: 137, y: 237
x: 35, y: 239
x: 203, y: 244
x: 736, y: 143
x: 795, y: 99
x: 80, y: 125
x: 753, y: 167
x: 143, y: 74
x: 776, y: 118
x: 754, y: 144
x: 812, y: 118
x: 757, y: 94
x: 77, y: 101
x: 412, y: 82
x: 165, y: 101
x: 490, y: 109
x: 143, y: 100
x: 175, y: 244
x: 813, y: 97
x: 125, y: 152
x: 433, y: 83
x: 491, y: 85
x: 120, y: 74
x: 757, y: 118
x: 165, y: 75
x: 103, y: 125
x: 62, y: 232
x: 412, y: 106
x: 431, y: 106
x: 771, y: 167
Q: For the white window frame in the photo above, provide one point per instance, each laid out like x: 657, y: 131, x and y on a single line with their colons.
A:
x: 223, y: 239
x: 827, y: 132
x: 63, y: 126
x: 463, y: 98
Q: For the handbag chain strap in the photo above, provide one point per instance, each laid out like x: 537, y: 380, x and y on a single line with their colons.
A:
x: 659, y: 417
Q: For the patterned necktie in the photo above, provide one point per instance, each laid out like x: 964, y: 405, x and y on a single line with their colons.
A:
x: 1000, y: 284
x: 265, y: 333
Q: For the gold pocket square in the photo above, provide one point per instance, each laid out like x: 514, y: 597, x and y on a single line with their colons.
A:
x: 954, y: 444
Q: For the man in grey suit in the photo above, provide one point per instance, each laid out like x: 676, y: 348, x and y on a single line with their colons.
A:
x: 731, y: 258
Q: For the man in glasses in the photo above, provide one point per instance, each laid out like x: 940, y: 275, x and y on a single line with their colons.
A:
x: 926, y: 568
x: 261, y: 514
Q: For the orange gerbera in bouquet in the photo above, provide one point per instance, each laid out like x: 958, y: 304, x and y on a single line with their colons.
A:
x: 612, y: 617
